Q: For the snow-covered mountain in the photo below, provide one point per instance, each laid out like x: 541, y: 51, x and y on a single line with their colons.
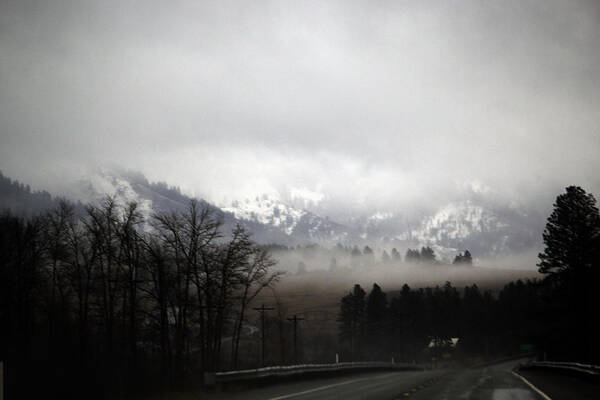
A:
x: 296, y: 223
x: 268, y: 218
x: 485, y: 226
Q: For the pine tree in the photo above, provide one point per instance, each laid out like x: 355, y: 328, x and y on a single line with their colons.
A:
x: 463, y: 258
x: 572, y: 235
x: 412, y: 256
x: 376, y: 311
x: 352, y: 320
x: 385, y: 257
x: 570, y: 259
x: 467, y: 258
x: 355, y: 257
x: 427, y: 255
x: 376, y: 315
x: 396, y: 255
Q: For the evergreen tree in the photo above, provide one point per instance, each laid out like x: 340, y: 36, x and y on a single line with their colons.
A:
x: 463, y: 258
x: 351, y: 322
x: 412, y: 256
x: 570, y: 260
x: 458, y: 259
x: 427, y: 255
x: 572, y: 235
x: 376, y: 308
x: 467, y: 258
x: 396, y: 255
x: 355, y: 257
x: 385, y: 257
x: 376, y: 315
x: 368, y: 256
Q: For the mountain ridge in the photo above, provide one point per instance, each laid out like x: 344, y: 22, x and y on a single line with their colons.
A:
x: 487, y: 228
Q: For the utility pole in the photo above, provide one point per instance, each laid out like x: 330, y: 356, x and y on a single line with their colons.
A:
x: 295, y: 320
x: 262, y: 310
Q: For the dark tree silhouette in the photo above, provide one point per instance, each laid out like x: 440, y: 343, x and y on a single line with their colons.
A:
x: 427, y: 255
x: 463, y: 258
x: 572, y: 235
x: 355, y: 257
x: 571, y: 262
x: 376, y: 315
x: 396, y: 255
x: 368, y: 256
x: 352, y: 322
x: 385, y: 257
x: 96, y: 303
x: 412, y: 256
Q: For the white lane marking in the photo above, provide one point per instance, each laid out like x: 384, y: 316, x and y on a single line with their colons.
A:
x: 287, y: 396
x: 531, y: 385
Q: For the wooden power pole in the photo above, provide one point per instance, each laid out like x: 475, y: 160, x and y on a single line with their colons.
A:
x: 295, y: 320
x: 262, y: 310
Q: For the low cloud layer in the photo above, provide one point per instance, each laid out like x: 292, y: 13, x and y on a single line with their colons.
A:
x: 376, y: 105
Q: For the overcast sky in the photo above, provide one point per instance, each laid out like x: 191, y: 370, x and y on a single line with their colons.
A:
x: 379, y: 103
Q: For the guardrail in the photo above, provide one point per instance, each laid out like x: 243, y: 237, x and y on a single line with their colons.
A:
x: 291, y: 370
x: 587, y: 369
x: 501, y: 360
x: 584, y: 371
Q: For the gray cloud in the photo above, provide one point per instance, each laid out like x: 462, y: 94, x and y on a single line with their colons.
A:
x: 386, y: 104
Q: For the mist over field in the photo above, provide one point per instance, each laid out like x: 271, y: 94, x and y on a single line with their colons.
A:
x: 319, y: 288
x: 312, y: 281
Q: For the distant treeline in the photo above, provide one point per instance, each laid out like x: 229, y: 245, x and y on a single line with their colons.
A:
x: 557, y: 316
x: 357, y: 258
x: 373, y: 327
x: 21, y: 200
x: 108, y: 303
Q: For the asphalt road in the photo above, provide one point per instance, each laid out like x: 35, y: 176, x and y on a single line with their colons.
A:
x: 489, y: 383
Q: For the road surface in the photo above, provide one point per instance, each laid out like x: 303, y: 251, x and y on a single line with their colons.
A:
x: 562, y: 387
x: 495, y: 382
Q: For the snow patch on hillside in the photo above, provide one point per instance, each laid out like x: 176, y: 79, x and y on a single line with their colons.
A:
x: 456, y: 221
x: 267, y: 210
